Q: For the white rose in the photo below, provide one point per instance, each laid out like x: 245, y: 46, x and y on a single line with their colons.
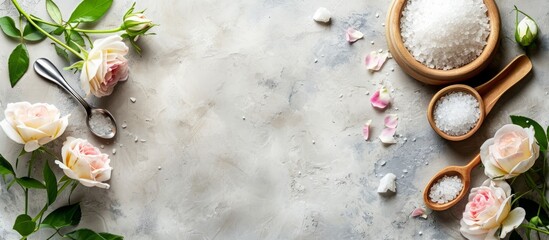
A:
x: 33, y: 124
x: 85, y: 163
x: 489, y: 209
x: 105, y: 66
x: 512, y: 151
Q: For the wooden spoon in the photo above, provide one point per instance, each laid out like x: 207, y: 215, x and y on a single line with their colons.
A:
x: 486, y: 94
x: 463, y: 172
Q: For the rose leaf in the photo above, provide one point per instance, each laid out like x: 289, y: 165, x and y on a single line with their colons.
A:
x: 51, y: 183
x: 69, y: 215
x: 24, y: 225
x: 90, y: 10
x: 18, y: 63
x: 8, y: 27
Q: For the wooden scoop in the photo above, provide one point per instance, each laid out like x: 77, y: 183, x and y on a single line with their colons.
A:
x: 463, y: 172
x: 486, y: 94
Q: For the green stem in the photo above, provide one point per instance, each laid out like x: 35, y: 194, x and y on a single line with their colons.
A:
x: 44, y: 22
x: 39, y: 216
x: 98, y: 31
x: 535, y: 228
x: 31, y: 21
x: 26, y: 200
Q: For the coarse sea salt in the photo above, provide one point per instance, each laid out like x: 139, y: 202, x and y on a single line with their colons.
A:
x: 101, y: 124
x: 445, y: 189
x: 456, y: 113
x: 445, y: 34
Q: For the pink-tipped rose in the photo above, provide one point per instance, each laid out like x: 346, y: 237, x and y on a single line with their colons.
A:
x: 489, y: 209
x: 33, y: 124
x: 512, y: 151
x: 85, y: 163
x: 105, y: 66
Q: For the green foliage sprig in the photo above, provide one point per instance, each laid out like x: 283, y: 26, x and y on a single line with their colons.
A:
x: 67, y: 36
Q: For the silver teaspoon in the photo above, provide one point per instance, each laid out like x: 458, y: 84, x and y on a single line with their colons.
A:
x: 100, y: 121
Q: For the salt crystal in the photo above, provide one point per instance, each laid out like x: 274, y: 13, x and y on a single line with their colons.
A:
x: 377, y: 15
x: 124, y: 125
x: 102, y: 146
x: 456, y: 113
x: 143, y: 140
x: 136, y: 139
x: 445, y: 189
x: 322, y: 15
x: 133, y: 99
x: 445, y: 34
x: 114, y: 151
x: 316, y: 60
x: 387, y: 183
x: 372, y: 42
x: 159, y: 168
x: 243, y: 117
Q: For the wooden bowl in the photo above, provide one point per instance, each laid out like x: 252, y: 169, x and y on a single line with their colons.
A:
x: 436, y: 76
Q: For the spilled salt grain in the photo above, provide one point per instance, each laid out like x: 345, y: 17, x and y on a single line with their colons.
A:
x: 456, y: 113
x: 445, y: 34
x: 445, y: 189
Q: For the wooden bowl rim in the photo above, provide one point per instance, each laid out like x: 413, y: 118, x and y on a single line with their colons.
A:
x: 437, y: 74
x: 445, y: 91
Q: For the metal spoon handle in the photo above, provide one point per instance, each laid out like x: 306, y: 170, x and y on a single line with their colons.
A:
x: 48, y: 71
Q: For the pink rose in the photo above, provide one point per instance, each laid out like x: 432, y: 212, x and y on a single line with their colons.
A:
x: 33, y: 124
x: 489, y: 209
x: 85, y: 163
x: 105, y: 66
x: 512, y: 151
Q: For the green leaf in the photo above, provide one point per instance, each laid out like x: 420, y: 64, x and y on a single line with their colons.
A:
x: 69, y: 215
x: 74, y: 40
x: 51, y: 183
x: 90, y: 10
x: 110, y: 236
x: 24, y: 225
x: 84, y: 234
x: 5, y: 166
x: 30, y: 33
x: 61, y: 52
x: 54, y: 12
x: 30, y: 183
x: 8, y: 27
x: 18, y: 63
x: 540, y: 135
x: 46, y: 27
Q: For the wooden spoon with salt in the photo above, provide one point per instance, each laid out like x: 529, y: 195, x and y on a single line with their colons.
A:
x: 486, y: 94
x: 462, y: 172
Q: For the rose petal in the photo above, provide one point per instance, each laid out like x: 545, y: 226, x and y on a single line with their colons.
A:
x: 513, y: 220
x: 387, y: 136
x: 391, y: 121
x: 419, y: 212
x: 322, y: 15
x: 387, y: 183
x: 381, y: 98
x: 375, y: 60
x: 366, y: 129
x: 352, y: 35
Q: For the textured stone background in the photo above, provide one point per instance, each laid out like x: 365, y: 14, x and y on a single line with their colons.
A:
x: 213, y: 63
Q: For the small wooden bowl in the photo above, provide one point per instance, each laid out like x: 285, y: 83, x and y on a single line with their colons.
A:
x: 436, y: 76
x: 444, y: 92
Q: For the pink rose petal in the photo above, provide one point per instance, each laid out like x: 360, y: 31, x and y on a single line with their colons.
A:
x: 366, y: 129
x: 381, y: 98
x: 419, y: 212
x: 352, y: 35
x: 387, y: 136
x: 375, y: 60
x: 391, y: 121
